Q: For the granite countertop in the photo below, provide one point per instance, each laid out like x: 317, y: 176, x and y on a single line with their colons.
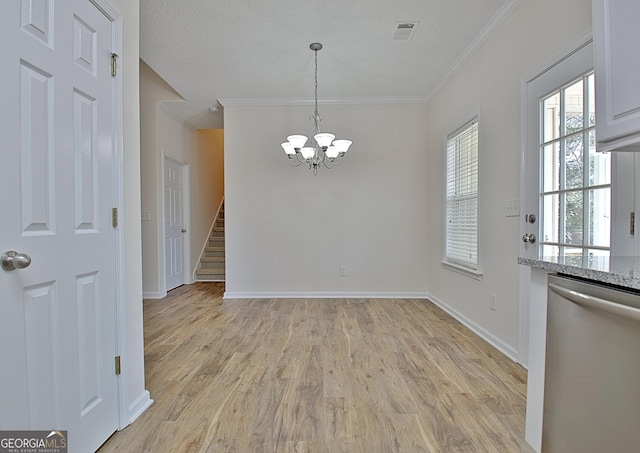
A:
x: 616, y: 270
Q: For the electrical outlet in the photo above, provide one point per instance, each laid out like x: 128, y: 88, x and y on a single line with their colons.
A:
x: 343, y: 271
x: 492, y: 302
x: 512, y: 208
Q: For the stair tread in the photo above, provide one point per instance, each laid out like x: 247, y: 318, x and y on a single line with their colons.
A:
x: 212, y: 263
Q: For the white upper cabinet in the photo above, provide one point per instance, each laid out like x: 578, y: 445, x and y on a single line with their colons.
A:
x: 616, y: 36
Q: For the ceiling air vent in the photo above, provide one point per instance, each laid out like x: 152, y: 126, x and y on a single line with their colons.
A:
x: 404, y: 30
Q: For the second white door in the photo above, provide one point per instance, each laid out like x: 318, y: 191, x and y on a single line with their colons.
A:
x: 174, y: 224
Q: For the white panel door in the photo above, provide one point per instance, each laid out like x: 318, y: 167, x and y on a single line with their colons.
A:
x: 174, y: 229
x: 57, y: 316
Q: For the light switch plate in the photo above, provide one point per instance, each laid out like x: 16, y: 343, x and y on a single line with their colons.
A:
x: 512, y: 208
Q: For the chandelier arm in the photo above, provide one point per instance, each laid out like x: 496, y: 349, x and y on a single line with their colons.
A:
x: 328, y: 163
x: 294, y: 164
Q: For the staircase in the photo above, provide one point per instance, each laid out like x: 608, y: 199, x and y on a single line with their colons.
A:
x: 211, y: 267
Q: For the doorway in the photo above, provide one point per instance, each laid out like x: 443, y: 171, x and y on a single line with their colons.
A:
x: 175, y: 219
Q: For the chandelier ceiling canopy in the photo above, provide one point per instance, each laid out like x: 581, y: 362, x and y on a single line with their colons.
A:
x: 326, y: 152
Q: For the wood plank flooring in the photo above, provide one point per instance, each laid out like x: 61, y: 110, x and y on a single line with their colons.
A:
x: 320, y: 375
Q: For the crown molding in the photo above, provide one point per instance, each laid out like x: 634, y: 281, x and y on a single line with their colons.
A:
x: 162, y: 105
x: 501, y: 16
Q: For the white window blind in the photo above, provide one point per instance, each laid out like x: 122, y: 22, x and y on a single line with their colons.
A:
x: 461, y: 246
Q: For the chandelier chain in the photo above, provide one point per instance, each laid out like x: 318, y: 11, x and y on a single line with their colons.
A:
x: 316, y: 114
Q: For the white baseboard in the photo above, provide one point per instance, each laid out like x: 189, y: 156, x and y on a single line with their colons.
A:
x: 151, y: 295
x: 487, y: 336
x: 323, y: 295
x: 141, y: 404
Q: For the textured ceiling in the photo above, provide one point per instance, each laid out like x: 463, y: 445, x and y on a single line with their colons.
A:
x: 257, y: 51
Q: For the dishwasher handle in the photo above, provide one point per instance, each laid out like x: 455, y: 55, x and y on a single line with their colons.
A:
x: 585, y: 300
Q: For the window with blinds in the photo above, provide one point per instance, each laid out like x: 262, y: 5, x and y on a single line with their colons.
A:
x: 461, y: 248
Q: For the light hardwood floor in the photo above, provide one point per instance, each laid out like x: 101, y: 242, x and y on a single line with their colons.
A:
x: 320, y: 375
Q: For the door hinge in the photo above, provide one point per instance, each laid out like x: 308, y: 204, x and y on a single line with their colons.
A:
x: 114, y: 217
x: 632, y: 223
x: 114, y: 64
x: 117, y: 364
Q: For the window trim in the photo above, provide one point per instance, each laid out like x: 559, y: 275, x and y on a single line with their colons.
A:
x: 451, y: 264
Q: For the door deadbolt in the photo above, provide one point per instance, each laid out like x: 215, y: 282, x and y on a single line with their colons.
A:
x: 531, y: 218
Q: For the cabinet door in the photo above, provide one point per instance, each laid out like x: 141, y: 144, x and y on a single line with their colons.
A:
x: 617, y: 68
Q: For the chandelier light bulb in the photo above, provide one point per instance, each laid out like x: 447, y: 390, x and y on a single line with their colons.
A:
x: 307, y: 152
x: 297, y: 141
x: 324, y: 140
x: 288, y: 149
x: 342, y: 145
x: 332, y: 152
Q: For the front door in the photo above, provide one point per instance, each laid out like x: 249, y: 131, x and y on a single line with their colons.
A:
x: 58, y: 315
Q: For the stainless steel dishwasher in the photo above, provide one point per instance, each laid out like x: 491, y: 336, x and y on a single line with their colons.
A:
x: 592, y: 376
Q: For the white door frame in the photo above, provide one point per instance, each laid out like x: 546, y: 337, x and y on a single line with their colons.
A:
x: 118, y: 185
x: 186, y: 216
x: 525, y: 184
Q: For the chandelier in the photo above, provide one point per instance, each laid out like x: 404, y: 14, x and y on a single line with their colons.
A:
x: 327, y: 152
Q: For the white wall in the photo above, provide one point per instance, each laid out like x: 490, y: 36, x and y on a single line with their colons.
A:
x: 152, y: 91
x: 162, y: 134
x: 491, y: 81
x: 137, y: 398
x: 288, y: 232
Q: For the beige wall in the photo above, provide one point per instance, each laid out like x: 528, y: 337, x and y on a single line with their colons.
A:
x: 288, y: 232
x: 491, y: 82
x: 162, y: 134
